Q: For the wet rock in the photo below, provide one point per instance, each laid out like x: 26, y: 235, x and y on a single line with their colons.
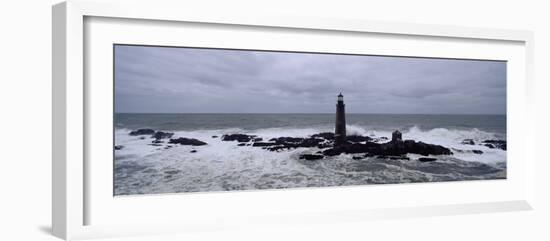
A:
x: 397, y: 148
x: 357, y: 138
x: 427, y: 159
x: 399, y: 157
x: 468, y: 142
x: 500, y: 144
x: 325, y: 145
x: 119, y: 147
x: 286, y: 140
x: 489, y: 145
x: 263, y: 144
x: 187, y: 141
x: 238, y: 137
x: 479, y: 152
x: 311, y: 157
x: 162, y: 135
x: 280, y: 143
x: 140, y: 132
x: 379, y: 139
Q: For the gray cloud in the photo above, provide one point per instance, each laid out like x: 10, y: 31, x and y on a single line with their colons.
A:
x: 188, y: 80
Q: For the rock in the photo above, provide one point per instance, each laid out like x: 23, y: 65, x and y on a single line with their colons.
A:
x: 162, y: 135
x: 357, y: 138
x: 257, y: 139
x: 286, y: 140
x: 142, y: 138
x: 311, y: 157
x: 140, y: 132
x: 155, y: 144
x: 241, y: 144
x: 468, y: 142
x: 425, y: 149
x: 427, y: 159
x: 500, y: 144
x: 489, y: 145
x: 399, y: 157
x: 310, y: 142
x: 380, y: 139
x: 397, y: 148
x: 187, y: 141
x: 263, y: 144
x: 280, y: 143
x: 157, y: 141
x: 324, y: 145
x: 238, y: 137
x: 479, y: 152
x: 193, y: 151
x: 358, y: 157
x: 214, y: 136
x: 119, y: 147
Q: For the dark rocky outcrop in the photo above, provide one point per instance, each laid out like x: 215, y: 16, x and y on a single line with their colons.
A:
x: 140, y: 132
x: 311, y: 157
x: 396, y: 148
x: 187, y: 141
x: 356, y: 138
x: 238, y: 137
x: 280, y: 143
x: 261, y: 144
x: 499, y: 144
x: 427, y: 159
x: 162, y: 135
x: 468, y: 142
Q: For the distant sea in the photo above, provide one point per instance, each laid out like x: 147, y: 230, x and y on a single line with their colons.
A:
x: 141, y: 168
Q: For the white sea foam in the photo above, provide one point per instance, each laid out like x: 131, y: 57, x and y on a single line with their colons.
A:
x: 222, y: 165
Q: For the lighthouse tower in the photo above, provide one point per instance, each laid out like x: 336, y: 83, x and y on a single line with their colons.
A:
x: 340, y: 129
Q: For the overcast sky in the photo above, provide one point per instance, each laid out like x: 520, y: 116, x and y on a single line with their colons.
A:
x: 187, y: 80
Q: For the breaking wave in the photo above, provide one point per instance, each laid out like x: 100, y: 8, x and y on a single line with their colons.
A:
x: 222, y: 165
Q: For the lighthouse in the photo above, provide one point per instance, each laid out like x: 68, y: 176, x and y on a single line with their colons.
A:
x: 340, y: 128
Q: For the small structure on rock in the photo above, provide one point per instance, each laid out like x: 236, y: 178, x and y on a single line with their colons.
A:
x: 396, y: 136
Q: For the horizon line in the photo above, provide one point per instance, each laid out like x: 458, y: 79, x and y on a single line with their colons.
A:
x: 373, y: 113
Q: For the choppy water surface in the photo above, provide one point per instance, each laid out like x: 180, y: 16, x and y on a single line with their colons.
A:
x: 141, y: 168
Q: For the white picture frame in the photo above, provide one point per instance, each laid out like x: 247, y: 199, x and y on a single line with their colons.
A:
x: 72, y: 186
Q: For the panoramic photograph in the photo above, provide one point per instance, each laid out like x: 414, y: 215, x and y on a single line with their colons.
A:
x: 208, y: 120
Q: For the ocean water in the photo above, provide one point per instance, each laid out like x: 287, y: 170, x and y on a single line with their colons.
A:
x: 141, y: 168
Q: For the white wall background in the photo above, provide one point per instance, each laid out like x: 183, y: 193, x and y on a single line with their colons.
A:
x: 25, y: 119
